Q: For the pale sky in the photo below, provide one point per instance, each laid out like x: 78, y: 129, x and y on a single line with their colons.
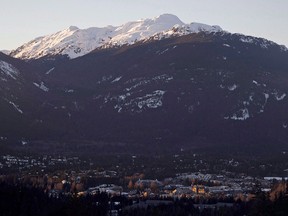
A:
x: 24, y: 20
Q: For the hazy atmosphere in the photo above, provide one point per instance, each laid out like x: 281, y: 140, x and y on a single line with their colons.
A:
x: 154, y: 107
x: 139, y: 108
x: 23, y: 21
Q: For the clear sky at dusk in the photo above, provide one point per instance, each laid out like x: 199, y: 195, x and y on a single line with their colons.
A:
x: 24, y: 20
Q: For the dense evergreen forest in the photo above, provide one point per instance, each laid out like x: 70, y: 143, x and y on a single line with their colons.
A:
x: 23, y: 200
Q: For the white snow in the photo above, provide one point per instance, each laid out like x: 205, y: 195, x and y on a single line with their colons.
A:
x: 143, y: 29
x: 232, y: 88
x: 3, y: 79
x: 116, y: 79
x: 226, y: 45
x: 246, y: 39
x: 179, y: 30
x: 75, y: 42
x: 164, y: 77
x: 283, y: 48
x: 9, y: 69
x: 199, y: 27
x: 122, y: 97
x: 166, y: 50
x: 49, y: 71
x: 246, y: 103
x: 152, y: 101
x: 243, y: 115
x: 284, y: 125
x: 16, y: 107
x: 281, y: 97
x: 69, y: 90
x: 263, y: 43
x: 275, y: 178
x: 42, y: 86
x: 141, y: 83
x: 266, y: 97
x: 256, y: 83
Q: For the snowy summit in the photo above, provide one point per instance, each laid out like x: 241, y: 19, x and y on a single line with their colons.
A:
x: 75, y: 42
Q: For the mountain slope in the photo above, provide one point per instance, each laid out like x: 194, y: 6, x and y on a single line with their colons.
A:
x: 20, y: 98
x: 189, y: 85
x: 216, y: 88
x: 6, y: 52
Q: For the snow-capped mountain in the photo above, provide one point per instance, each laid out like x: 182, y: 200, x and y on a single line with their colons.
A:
x: 189, y: 84
x: 75, y: 42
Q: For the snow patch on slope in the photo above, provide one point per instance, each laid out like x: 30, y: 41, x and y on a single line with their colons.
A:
x: 232, y: 87
x: 42, y: 86
x: 9, y: 69
x: 49, y: 71
x: 280, y: 97
x: 16, y: 107
x: 153, y: 100
x: 140, y: 103
x: 242, y: 115
x: 263, y: 43
x: 116, y: 79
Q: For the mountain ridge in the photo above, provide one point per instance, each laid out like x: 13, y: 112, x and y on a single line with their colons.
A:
x: 74, y: 42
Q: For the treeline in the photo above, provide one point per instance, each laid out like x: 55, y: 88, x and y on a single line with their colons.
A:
x: 24, y: 201
x: 260, y: 206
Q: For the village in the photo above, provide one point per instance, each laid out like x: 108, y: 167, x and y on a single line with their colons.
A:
x: 64, y: 175
x: 134, y: 182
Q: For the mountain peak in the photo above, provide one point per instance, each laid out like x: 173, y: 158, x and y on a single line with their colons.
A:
x: 168, y: 18
x: 72, y: 28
